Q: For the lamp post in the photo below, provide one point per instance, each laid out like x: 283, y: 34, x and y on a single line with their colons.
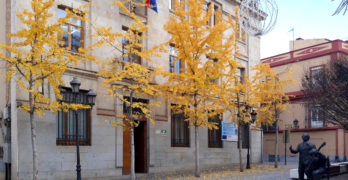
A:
x: 75, y: 86
x: 253, y: 118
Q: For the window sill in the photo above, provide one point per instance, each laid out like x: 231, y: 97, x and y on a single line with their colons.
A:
x: 140, y: 15
x: 72, y: 143
x: 242, y: 42
x: 150, y: 68
x: 215, y: 146
x: 75, y: 53
x: 180, y: 146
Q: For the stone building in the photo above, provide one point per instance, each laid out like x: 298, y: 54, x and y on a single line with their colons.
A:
x: 104, y: 149
x: 306, y: 57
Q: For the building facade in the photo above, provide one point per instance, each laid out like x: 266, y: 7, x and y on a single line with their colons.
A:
x: 166, y: 146
x: 306, y: 57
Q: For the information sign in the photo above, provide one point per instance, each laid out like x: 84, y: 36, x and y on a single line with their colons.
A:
x: 229, y: 131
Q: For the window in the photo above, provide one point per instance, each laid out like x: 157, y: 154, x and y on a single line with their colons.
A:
x: 212, y: 78
x: 214, y: 135
x: 174, y: 63
x: 214, y: 21
x: 66, y: 121
x: 315, y: 116
x: 125, y: 46
x: 241, y: 35
x: 240, y: 75
x: 206, y: 9
x: 138, y: 9
x: 73, y: 36
x: 172, y: 3
x: 314, y: 74
x: 245, y: 135
x: 135, y: 111
x: 180, y: 131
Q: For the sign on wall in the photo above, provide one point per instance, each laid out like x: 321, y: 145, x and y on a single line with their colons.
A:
x: 162, y: 132
x: 229, y: 131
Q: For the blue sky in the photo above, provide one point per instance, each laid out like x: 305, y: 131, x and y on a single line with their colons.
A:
x: 311, y: 19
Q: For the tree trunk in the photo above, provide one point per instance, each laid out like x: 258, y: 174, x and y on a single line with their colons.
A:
x: 240, y: 140
x: 132, y: 137
x: 276, y: 143
x: 131, y: 112
x: 197, y: 168
x: 240, y: 147
x: 33, y: 137
x: 276, y: 147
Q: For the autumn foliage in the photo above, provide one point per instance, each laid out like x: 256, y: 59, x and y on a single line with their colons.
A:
x: 38, y: 58
x: 126, y: 77
x: 269, y: 87
x: 204, y: 42
x: 208, y: 84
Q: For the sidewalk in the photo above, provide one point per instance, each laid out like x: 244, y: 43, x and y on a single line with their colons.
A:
x: 258, y: 172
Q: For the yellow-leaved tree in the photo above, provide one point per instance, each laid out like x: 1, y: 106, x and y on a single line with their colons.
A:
x: 269, y: 87
x: 37, y: 56
x: 236, y: 95
x: 127, y: 77
x: 203, y: 42
x: 238, y: 101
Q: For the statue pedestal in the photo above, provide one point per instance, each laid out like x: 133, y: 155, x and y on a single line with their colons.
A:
x: 294, y: 174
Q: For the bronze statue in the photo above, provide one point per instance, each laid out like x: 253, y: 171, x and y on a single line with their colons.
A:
x: 303, y: 148
x: 317, y: 164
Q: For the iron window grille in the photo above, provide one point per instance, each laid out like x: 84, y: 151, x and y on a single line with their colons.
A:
x: 180, y: 131
x: 214, y: 135
x: 66, y: 122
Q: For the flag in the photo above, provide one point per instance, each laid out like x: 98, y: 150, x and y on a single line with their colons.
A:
x: 291, y: 30
x: 152, y: 4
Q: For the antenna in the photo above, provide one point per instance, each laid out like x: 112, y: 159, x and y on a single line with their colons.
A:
x: 257, y: 17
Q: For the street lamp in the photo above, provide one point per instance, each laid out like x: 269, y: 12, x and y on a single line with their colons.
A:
x: 91, y: 97
x: 253, y: 119
x: 75, y: 86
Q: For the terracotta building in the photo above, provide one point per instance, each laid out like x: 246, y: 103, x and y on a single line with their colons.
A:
x: 166, y: 146
x: 306, y: 57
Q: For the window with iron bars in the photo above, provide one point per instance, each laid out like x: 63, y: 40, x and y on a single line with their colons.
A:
x: 180, y: 131
x: 66, y: 120
x: 214, y: 135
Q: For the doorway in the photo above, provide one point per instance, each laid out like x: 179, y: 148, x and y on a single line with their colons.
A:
x: 140, y: 149
x: 140, y: 145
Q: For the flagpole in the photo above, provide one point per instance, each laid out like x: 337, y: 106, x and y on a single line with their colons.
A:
x: 293, y: 39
